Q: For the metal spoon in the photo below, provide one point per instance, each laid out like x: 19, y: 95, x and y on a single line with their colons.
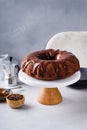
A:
x: 18, y: 87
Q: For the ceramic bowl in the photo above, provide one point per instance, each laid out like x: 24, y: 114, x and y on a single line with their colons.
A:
x: 3, y: 93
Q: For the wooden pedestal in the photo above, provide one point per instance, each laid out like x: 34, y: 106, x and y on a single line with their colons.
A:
x: 49, y: 96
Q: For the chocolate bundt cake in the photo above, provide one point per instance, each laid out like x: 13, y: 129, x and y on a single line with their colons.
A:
x: 50, y: 64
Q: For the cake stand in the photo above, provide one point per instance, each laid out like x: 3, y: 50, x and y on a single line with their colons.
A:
x: 49, y: 93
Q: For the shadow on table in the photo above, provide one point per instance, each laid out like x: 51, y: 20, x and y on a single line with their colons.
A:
x: 78, y: 106
x: 25, y: 107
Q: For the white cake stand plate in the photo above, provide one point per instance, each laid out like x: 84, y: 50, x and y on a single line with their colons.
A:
x: 49, y: 94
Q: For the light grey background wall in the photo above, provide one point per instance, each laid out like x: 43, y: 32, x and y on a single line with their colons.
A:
x: 27, y: 25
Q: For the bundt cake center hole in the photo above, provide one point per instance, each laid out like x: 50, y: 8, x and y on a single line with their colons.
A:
x: 44, y: 57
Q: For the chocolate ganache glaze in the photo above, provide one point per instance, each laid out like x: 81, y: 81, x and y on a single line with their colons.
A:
x: 50, y: 64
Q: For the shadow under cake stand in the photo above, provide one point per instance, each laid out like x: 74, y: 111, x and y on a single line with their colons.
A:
x: 49, y: 94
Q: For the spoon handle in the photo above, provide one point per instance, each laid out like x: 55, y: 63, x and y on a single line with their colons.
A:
x: 16, y: 87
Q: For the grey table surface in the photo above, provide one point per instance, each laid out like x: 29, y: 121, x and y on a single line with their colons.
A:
x: 70, y: 114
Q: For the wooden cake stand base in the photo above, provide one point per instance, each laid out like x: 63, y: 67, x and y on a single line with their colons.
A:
x: 49, y: 96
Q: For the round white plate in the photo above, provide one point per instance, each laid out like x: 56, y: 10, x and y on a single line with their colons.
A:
x: 48, y: 84
x: 75, y: 42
